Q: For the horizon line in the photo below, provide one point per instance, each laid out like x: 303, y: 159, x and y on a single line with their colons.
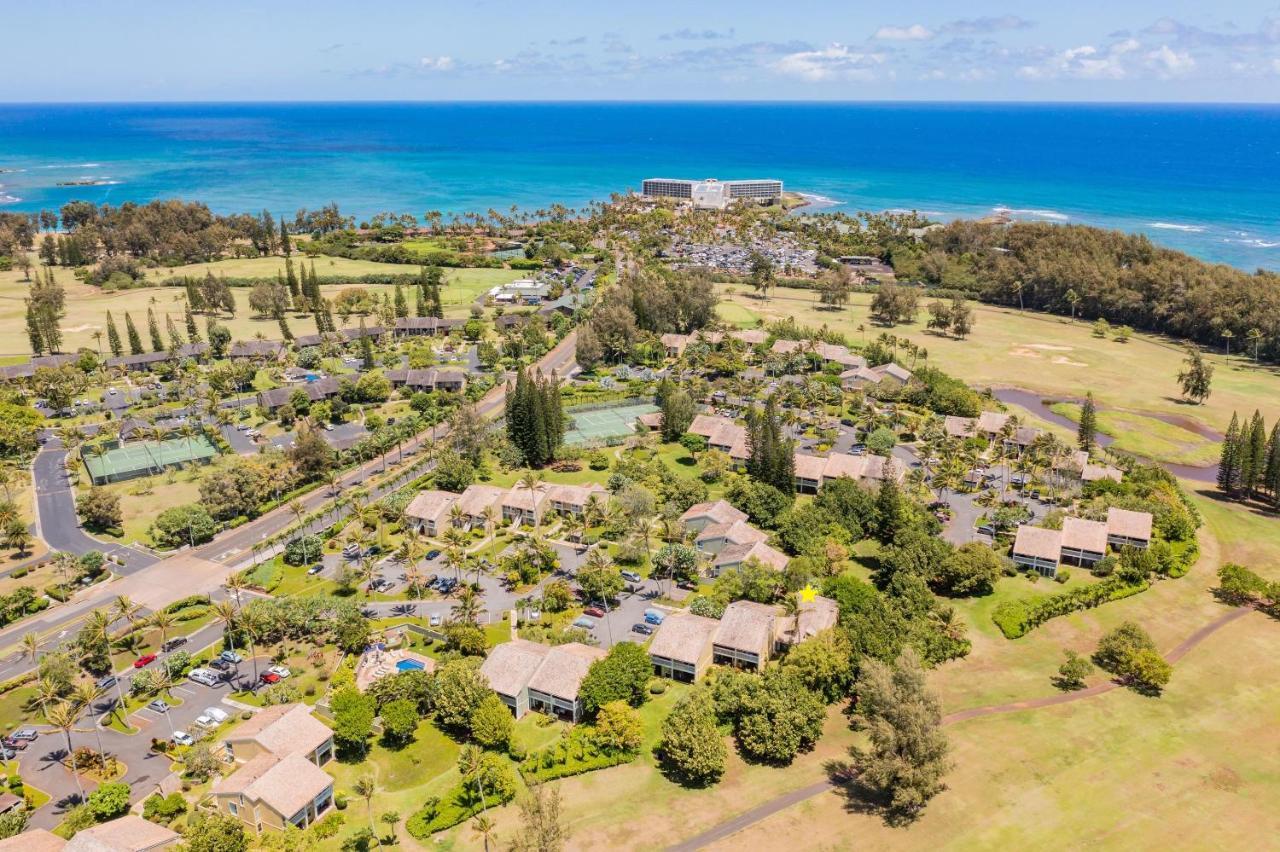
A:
x: 641, y: 102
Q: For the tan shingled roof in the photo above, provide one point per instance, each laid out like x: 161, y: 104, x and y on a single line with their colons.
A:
x: 718, y: 511
x: 283, y: 729
x: 1095, y: 472
x: 992, y: 421
x: 510, y: 665
x: 430, y: 505
x: 33, y: 840
x: 129, y: 833
x: 285, y: 784
x: 479, y: 497
x: 683, y: 637
x: 1129, y: 524
x: 747, y: 626
x: 959, y: 427
x: 735, y: 554
x: 751, y: 336
x: 1080, y: 534
x: 738, y: 532
x: 1038, y: 542
x: 524, y: 499
x: 574, y: 495
x: 563, y: 669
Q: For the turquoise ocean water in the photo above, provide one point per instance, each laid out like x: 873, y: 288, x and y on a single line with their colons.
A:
x: 1204, y: 179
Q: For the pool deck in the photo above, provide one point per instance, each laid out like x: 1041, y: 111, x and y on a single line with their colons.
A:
x: 375, y: 665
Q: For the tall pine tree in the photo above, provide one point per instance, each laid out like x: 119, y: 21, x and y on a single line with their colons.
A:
x: 1271, y: 475
x: 1253, y: 455
x: 113, y: 337
x: 153, y: 329
x: 286, y: 245
x: 175, y: 339
x: 193, y: 330
x: 291, y: 279
x: 1229, y: 462
x: 135, y: 341
x: 34, y: 337
x: 1088, y: 429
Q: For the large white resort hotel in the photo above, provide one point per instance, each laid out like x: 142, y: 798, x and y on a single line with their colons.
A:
x: 711, y: 193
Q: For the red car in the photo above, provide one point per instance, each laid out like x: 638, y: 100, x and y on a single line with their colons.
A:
x: 270, y: 677
x: 594, y: 612
x: 144, y: 661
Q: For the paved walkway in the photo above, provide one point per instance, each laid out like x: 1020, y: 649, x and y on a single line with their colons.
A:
x: 795, y: 797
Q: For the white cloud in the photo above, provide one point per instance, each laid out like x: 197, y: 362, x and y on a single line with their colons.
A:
x: 436, y: 63
x: 834, y: 62
x: 1170, y: 63
x: 1085, y: 62
x: 971, y: 26
x: 915, y: 32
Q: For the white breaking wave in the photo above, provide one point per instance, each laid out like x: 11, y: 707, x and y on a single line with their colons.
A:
x: 71, y: 166
x: 1039, y: 214
x: 1256, y: 243
x: 1170, y: 226
x: 8, y: 199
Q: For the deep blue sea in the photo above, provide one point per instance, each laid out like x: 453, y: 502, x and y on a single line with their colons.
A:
x: 1205, y: 179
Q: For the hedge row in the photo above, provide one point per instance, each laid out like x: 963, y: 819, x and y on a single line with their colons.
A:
x: 1018, y: 618
x: 455, y: 808
x: 533, y: 771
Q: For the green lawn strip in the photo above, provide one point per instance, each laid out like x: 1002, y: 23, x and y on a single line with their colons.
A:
x: 1149, y: 437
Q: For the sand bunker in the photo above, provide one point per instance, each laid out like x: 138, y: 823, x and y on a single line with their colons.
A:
x: 1049, y: 346
x: 1067, y: 362
x: 79, y: 328
x: 1024, y: 353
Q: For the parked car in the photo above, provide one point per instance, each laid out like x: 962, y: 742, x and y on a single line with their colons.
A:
x: 269, y: 677
x: 283, y: 671
x: 159, y: 706
x: 436, y: 620
x: 144, y: 661
x: 986, y: 529
x: 631, y: 577
x: 585, y: 623
x: 216, y: 714
x: 432, y: 554
x: 11, y: 743
x: 219, y: 664
x: 175, y: 642
x: 25, y: 735
x: 105, y: 682
x: 207, y: 722
x: 231, y: 657
x: 535, y: 615
x: 641, y: 627
x: 182, y: 738
x: 594, y: 611
x: 205, y: 676
x: 7, y: 753
x: 654, y: 616
x: 315, y: 569
x: 351, y: 551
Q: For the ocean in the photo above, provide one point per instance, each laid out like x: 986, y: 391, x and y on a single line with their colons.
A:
x: 1201, y: 178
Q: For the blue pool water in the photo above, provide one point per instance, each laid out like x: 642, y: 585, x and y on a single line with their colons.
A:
x: 409, y: 666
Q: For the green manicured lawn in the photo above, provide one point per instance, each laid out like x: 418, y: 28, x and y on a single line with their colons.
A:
x: 736, y: 313
x: 1148, y: 436
x: 19, y: 707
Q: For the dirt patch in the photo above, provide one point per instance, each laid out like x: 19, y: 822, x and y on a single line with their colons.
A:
x: 1049, y: 347
x: 79, y: 328
x: 1224, y: 778
x: 1064, y: 361
x: 1023, y: 352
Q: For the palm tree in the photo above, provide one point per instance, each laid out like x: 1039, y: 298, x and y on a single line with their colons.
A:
x: 47, y: 690
x: 31, y: 646
x: 84, y: 695
x: 533, y: 480
x: 163, y: 620
x: 1255, y: 337
x: 490, y: 514
x: 468, y: 607
x: 224, y: 612
x: 1227, y: 334
x: 235, y: 584
x: 298, y: 510
x: 365, y: 787
x: 791, y: 610
x: 126, y: 609
x: 471, y: 767
x: 484, y: 828
x: 63, y: 716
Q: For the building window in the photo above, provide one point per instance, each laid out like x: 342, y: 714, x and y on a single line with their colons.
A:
x: 233, y: 808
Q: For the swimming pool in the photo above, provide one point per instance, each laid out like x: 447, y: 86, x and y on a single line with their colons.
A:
x: 410, y: 666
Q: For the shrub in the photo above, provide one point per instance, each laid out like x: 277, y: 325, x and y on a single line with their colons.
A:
x: 1019, y: 617
x: 164, y: 809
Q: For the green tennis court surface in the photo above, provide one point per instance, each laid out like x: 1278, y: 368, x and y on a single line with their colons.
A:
x: 140, y: 458
x: 605, y: 424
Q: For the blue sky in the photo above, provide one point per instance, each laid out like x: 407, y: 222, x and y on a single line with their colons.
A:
x: 1137, y: 50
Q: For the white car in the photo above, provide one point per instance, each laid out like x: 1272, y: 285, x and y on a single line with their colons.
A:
x: 216, y: 714
x: 206, y: 722
x: 182, y: 738
x: 208, y: 677
x: 282, y: 671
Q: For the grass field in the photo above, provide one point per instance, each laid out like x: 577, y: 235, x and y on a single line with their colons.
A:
x: 87, y: 306
x: 1047, y: 354
x: 1149, y: 437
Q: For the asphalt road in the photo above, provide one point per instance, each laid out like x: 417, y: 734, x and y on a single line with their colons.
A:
x: 56, y: 516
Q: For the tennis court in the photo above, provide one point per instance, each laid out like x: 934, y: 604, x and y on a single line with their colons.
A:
x: 605, y: 425
x: 142, y: 458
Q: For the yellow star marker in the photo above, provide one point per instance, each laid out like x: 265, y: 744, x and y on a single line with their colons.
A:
x: 808, y: 593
